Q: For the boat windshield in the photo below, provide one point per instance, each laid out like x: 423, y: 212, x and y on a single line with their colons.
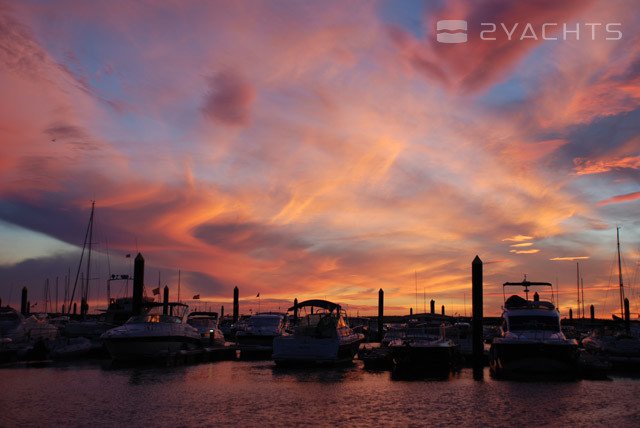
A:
x: 529, y: 322
x: 200, y: 322
x: 141, y: 319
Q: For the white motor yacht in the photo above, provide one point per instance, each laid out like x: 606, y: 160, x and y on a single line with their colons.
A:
x: 425, y: 348
x: 320, y: 337
x: 153, y: 335
x: 531, y: 339
x: 207, y: 325
x: 260, y: 331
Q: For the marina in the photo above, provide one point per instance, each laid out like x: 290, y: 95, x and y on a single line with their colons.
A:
x: 283, y: 213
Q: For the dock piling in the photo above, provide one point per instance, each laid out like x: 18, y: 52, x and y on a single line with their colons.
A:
x: 477, y: 315
x: 23, y: 304
x: 236, y: 305
x: 165, y: 301
x: 380, y: 314
x: 627, y: 318
x: 138, y: 284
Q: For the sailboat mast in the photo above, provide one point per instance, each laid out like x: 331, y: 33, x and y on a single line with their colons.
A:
x: 578, y: 285
x: 86, y: 289
x: 620, y: 274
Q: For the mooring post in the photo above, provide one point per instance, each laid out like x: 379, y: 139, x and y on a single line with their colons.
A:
x: 75, y: 307
x: 165, y: 301
x: 477, y: 314
x: 570, y: 313
x: 411, y: 312
x: 23, y: 303
x: 380, y: 314
x: 593, y: 313
x: 221, y: 314
x: 442, y: 309
x: 236, y: 305
x: 295, y: 311
x: 627, y: 318
x: 138, y: 284
x: 433, y: 306
x: 83, y: 308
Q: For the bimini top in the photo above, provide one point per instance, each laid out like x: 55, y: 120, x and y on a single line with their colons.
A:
x: 203, y: 314
x: 325, y: 304
x: 517, y: 302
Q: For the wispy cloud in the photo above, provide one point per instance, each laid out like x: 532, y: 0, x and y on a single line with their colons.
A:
x: 621, y: 198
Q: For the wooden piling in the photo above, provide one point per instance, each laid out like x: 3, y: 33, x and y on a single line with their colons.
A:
x: 627, y: 318
x: 165, y: 301
x: 442, y: 309
x: 138, y: 284
x: 593, y: 313
x: 380, y: 314
x: 477, y: 315
x: 433, y: 306
x: 236, y: 305
x: 570, y: 314
x: 23, y: 303
x: 295, y: 311
x: 221, y: 314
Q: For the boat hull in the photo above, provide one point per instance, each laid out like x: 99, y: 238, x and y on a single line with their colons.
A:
x: 530, y: 357
x: 291, y: 350
x: 431, y: 357
x: 150, y: 347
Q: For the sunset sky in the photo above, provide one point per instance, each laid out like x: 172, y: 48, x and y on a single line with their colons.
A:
x: 318, y: 149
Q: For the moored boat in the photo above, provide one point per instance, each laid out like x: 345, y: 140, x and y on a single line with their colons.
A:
x: 207, y: 325
x: 320, y: 337
x: 531, y: 340
x: 424, y: 348
x: 153, y: 335
x: 259, y: 332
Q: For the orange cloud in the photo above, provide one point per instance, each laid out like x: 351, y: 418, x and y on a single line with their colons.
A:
x: 587, y: 166
x: 570, y: 258
x: 524, y: 251
x: 518, y: 238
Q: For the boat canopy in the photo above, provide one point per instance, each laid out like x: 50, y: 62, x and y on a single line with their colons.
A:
x: 325, y: 304
x: 517, y: 302
x: 203, y: 314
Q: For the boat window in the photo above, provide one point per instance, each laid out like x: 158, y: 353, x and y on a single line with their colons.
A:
x: 200, y: 322
x: 528, y: 322
x: 140, y: 319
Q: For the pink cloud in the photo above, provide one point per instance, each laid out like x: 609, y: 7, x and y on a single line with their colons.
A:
x: 621, y: 198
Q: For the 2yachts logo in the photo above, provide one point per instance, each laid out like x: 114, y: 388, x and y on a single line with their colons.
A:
x: 455, y: 31
x: 452, y: 31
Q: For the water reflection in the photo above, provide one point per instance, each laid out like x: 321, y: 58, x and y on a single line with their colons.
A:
x: 320, y: 374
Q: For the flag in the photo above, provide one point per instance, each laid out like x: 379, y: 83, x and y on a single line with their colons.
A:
x: 156, y: 291
x: 128, y: 256
x: 258, y: 295
x: 196, y: 297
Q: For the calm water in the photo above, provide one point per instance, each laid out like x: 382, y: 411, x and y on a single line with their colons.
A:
x: 259, y: 394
